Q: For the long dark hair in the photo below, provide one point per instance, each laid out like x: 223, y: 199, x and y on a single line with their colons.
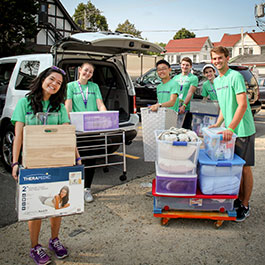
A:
x: 35, y: 95
x: 65, y: 199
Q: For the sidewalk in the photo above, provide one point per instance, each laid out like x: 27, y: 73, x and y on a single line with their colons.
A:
x: 119, y: 228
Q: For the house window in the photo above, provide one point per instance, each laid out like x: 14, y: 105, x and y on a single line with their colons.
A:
x: 206, y: 48
x: 204, y: 57
x: 240, y: 50
x: 178, y: 59
x: 194, y: 58
x: 250, y: 51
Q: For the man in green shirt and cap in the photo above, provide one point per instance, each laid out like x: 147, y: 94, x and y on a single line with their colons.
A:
x: 235, y: 111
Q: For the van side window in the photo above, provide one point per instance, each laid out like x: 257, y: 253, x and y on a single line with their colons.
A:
x: 27, y: 72
x: 6, y: 71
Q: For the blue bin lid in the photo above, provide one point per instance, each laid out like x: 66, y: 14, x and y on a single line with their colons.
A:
x: 204, y: 159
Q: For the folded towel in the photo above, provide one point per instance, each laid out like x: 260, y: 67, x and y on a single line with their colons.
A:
x: 175, y: 166
x: 211, y: 171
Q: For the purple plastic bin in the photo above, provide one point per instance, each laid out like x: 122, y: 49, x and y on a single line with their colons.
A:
x: 176, y: 186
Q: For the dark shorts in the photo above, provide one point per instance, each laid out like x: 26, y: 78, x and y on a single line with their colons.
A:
x: 245, y: 148
x: 187, y: 121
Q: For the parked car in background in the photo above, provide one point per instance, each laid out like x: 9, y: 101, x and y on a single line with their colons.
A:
x: 261, y: 81
x: 145, y: 86
x: 104, y: 50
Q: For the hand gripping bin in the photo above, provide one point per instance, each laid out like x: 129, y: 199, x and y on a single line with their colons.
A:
x: 198, y: 202
x: 175, y: 184
x: 46, y: 192
x: 215, y: 147
x: 48, y: 146
x: 177, y: 157
x: 204, y: 114
x: 163, y: 119
x: 219, y: 177
x: 95, y: 120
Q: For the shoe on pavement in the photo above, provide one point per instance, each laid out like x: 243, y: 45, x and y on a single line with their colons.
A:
x: 58, y: 248
x: 242, y: 213
x: 39, y: 255
x: 88, y: 196
x: 237, y: 203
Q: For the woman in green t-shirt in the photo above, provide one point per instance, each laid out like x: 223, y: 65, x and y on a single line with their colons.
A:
x: 84, y: 95
x: 47, y: 95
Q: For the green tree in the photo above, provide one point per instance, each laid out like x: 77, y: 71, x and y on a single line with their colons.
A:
x: 129, y: 28
x: 90, y: 18
x: 184, y: 34
x: 17, y: 24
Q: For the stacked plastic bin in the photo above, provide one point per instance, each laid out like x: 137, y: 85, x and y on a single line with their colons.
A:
x: 179, y: 196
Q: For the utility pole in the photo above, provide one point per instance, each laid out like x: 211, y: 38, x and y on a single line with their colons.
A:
x: 242, y: 41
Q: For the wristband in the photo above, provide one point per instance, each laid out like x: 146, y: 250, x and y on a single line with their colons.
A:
x: 79, y: 158
x: 231, y: 130
x: 184, y: 105
x: 14, y: 164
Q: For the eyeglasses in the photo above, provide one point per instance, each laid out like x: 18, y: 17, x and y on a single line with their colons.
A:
x: 58, y: 69
x: 161, y: 69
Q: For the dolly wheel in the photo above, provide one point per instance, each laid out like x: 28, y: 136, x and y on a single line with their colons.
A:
x: 164, y: 221
x: 123, y: 177
x: 218, y: 223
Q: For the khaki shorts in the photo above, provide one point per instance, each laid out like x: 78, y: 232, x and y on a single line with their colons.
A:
x: 245, y: 148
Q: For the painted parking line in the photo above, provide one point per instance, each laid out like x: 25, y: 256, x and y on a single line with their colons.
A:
x: 129, y: 156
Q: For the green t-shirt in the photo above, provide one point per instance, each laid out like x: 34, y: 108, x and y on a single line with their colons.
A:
x: 185, y: 81
x: 164, y: 91
x: 227, y: 87
x: 209, y: 90
x: 23, y: 113
x: 74, y: 93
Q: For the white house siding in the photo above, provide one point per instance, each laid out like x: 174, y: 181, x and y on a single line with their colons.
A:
x: 248, y: 43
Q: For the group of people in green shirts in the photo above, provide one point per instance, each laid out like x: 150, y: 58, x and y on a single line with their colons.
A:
x: 50, y: 94
x: 235, y: 112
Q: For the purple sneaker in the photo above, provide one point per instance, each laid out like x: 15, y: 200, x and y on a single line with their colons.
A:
x: 58, y: 248
x: 39, y: 255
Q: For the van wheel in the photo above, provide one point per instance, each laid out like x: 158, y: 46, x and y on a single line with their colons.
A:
x: 6, y: 146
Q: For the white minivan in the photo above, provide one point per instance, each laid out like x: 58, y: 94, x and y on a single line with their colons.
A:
x: 103, y: 49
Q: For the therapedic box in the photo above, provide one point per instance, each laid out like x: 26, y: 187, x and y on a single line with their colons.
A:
x: 47, y: 192
x: 95, y: 120
x: 215, y: 147
x: 175, y: 184
x: 219, y: 177
x: 177, y: 157
x: 163, y: 119
x: 199, y: 202
x: 200, y: 121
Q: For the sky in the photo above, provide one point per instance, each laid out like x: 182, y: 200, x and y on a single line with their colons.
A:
x: 159, y: 20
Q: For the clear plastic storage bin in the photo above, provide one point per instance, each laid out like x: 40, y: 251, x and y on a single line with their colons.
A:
x: 219, y: 177
x: 199, y: 202
x: 177, y: 157
x: 95, y: 120
x: 200, y: 121
x: 175, y: 184
x: 215, y: 147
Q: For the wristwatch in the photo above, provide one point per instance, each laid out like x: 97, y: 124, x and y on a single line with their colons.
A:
x: 160, y: 105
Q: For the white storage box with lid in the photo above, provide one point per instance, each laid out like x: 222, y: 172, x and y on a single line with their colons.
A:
x: 215, y: 147
x: 175, y: 184
x: 164, y: 118
x: 219, y: 177
x: 95, y: 120
x: 177, y: 157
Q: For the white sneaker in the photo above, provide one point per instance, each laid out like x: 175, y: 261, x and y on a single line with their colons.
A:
x: 88, y: 196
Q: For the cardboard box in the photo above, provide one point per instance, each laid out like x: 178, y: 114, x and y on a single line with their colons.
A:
x: 38, y: 192
x: 48, y: 146
x: 95, y: 120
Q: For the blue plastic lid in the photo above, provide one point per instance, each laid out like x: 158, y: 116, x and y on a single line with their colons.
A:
x: 204, y: 159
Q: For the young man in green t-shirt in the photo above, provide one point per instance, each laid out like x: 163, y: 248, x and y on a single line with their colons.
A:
x: 168, y: 91
x: 235, y: 111
x: 208, y: 89
x: 188, y: 84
